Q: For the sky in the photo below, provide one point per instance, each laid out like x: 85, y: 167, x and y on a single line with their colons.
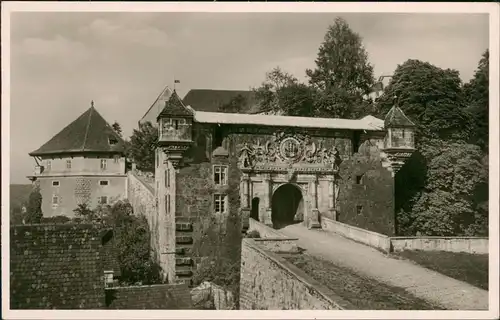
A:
x: 61, y: 61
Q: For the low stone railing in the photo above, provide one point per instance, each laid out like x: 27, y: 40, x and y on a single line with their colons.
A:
x: 373, y: 239
x: 476, y: 245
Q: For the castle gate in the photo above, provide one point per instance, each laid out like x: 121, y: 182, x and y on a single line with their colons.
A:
x: 288, y: 179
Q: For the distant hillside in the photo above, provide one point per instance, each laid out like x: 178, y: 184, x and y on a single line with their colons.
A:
x: 19, y: 194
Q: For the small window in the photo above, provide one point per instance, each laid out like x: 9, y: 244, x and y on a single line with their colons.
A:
x: 55, y: 200
x: 359, y: 179
x: 104, y: 164
x: 116, y: 159
x: 49, y: 164
x: 68, y: 164
x: 220, y: 175
x: 112, y: 141
x: 167, y: 178
x: 103, y: 200
x: 157, y: 158
x: 103, y: 182
x: 175, y: 124
x: 359, y: 209
x: 108, y: 277
x: 167, y: 203
x: 220, y: 203
x: 55, y: 183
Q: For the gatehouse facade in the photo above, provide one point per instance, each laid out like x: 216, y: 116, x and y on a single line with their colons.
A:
x: 275, y: 169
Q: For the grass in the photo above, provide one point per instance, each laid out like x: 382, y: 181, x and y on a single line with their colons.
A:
x: 363, y: 292
x: 467, y: 267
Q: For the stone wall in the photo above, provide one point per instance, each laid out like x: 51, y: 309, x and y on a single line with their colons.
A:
x: 142, y: 198
x: 268, y: 282
x: 476, y: 245
x: 161, y: 296
x: 366, y: 197
x: 373, y: 239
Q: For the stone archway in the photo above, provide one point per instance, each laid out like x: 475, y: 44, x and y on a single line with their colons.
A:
x: 287, y: 206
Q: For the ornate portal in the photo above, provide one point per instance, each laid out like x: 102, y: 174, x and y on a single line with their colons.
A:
x: 283, y: 151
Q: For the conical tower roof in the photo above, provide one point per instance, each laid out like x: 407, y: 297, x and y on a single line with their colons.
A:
x: 88, y: 133
x: 396, y: 118
x: 175, y: 107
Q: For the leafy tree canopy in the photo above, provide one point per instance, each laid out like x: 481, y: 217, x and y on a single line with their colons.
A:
x: 235, y: 105
x: 477, y: 99
x: 452, y: 201
x: 431, y: 97
x: 142, y: 146
x: 34, y: 210
x: 118, y: 129
x: 343, y: 74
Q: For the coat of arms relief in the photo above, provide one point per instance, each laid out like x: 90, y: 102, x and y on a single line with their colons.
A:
x: 285, y: 150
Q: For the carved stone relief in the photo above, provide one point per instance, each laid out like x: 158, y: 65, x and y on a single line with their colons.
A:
x: 286, y: 149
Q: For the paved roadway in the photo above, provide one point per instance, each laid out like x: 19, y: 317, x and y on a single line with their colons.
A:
x: 452, y: 294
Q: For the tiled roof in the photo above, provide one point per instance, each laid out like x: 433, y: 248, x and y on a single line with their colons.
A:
x: 211, y: 100
x: 56, y: 267
x: 396, y: 117
x: 175, y: 107
x: 157, y: 106
x: 109, y: 252
x: 162, y: 296
x: 88, y: 133
x: 366, y: 123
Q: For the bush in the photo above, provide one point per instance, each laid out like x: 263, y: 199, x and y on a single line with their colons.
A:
x: 253, y: 234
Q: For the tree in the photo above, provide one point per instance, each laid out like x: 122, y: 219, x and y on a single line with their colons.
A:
x: 34, y: 210
x: 86, y: 214
x: 455, y: 193
x: 142, y: 146
x: 431, y: 97
x: 118, y: 129
x: 235, y: 105
x: 343, y: 75
x: 477, y: 98
x: 132, y: 240
x: 281, y: 93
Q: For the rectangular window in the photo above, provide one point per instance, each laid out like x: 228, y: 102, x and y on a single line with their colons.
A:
x: 68, y: 164
x: 55, y: 200
x: 104, y: 164
x: 55, y: 183
x: 359, y: 209
x: 157, y: 158
x: 108, y: 277
x: 175, y: 123
x: 49, y: 164
x: 220, y: 203
x: 167, y: 203
x: 167, y: 178
x: 359, y: 179
x: 220, y: 175
x: 116, y: 159
x: 102, y: 200
x: 103, y: 182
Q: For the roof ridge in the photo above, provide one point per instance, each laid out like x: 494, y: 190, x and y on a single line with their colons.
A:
x: 88, y: 126
x: 156, y: 100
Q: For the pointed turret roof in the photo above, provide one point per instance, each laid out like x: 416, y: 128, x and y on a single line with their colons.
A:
x: 396, y: 118
x: 155, y: 109
x: 88, y: 133
x: 175, y: 107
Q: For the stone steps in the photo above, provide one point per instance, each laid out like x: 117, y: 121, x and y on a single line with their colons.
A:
x: 184, y: 264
